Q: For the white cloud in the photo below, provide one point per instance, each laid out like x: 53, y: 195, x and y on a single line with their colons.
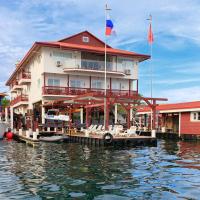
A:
x: 182, y: 94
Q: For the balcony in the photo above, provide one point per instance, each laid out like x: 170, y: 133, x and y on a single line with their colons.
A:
x: 93, y: 66
x: 64, y: 91
x: 25, y: 78
x: 16, y: 86
x: 22, y: 99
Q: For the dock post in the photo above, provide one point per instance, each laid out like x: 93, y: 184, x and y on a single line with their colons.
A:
x: 35, y: 134
x: 20, y: 132
x: 153, y: 133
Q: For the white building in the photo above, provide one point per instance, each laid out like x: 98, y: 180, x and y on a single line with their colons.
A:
x: 71, y: 66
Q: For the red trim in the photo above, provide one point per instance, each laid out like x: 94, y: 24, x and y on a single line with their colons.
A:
x: 90, y: 82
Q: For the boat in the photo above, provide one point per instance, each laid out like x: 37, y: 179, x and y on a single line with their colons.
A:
x: 3, y: 128
x: 54, y: 138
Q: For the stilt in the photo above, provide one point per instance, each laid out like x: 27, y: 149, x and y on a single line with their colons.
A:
x: 116, y: 120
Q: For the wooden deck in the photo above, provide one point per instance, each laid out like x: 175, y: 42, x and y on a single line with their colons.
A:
x: 123, y: 141
x: 23, y: 138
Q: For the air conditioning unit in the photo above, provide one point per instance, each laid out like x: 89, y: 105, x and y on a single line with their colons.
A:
x: 127, y: 71
x: 59, y: 63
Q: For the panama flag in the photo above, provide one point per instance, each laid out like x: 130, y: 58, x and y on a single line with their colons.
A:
x: 109, y: 25
x: 150, y: 35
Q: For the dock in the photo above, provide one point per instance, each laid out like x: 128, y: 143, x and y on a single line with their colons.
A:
x: 93, y: 139
x: 116, y: 141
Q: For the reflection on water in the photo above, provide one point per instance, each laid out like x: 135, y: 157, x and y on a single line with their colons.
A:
x: 73, y: 171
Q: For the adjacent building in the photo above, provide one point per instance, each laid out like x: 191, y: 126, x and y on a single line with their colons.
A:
x: 180, y: 118
x: 68, y: 67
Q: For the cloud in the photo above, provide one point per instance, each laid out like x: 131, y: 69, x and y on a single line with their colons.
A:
x: 182, y: 94
x: 176, y: 25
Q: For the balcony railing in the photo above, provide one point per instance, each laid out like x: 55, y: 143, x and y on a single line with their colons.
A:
x: 20, y: 98
x: 26, y: 75
x: 55, y: 90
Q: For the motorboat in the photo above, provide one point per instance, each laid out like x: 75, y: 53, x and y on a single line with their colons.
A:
x: 54, y: 138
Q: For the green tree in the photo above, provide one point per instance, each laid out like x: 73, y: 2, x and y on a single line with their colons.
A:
x: 5, y: 102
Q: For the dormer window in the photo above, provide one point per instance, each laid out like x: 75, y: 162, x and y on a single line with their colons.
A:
x: 85, y: 39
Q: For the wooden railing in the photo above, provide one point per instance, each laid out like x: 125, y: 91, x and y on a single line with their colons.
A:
x: 19, y: 99
x: 55, y: 90
x: 26, y: 75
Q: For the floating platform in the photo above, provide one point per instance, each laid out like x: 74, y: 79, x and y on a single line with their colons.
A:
x: 23, y: 138
x: 117, y: 141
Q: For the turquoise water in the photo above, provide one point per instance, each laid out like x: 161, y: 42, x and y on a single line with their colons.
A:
x: 73, y: 171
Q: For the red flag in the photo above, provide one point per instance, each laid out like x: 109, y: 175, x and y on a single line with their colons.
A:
x: 150, y: 35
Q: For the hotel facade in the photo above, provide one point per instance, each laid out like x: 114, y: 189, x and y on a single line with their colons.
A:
x: 69, y: 67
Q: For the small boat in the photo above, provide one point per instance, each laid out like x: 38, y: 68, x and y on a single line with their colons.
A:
x: 3, y: 128
x: 55, y: 138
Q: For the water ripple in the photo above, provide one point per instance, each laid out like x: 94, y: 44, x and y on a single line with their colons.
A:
x: 73, y: 171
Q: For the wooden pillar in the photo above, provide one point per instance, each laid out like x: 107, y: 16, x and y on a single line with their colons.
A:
x: 110, y: 85
x: 70, y: 119
x: 81, y: 115
x: 129, y: 86
x: 107, y: 115
x: 154, y: 115
x: 128, y: 118
x: 88, y: 117
x: 116, y: 114
x: 11, y: 118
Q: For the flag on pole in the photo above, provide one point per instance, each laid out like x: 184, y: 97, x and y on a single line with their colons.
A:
x: 150, y: 35
x: 109, y: 26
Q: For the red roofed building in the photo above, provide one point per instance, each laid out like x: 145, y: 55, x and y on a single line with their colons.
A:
x: 181, y: 118
x: 69, y: 67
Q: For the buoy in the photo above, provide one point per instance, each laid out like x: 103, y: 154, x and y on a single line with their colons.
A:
x: 9, y: 135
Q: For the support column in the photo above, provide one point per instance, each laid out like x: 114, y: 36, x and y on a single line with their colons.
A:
x: 70, y: 119
x: 128, y: 118
x: 43, y: 115
x: 179, y: 125
x: 87, y: 117
x: 6, y: 114
x: 154, y: 116
x: 116, y: 113
x: 131, y: 114
x: 107, y: 115
x: 11, y: 118
x: 81, y: 115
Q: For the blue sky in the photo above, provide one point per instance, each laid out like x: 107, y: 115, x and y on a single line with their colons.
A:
x: 176, y: 27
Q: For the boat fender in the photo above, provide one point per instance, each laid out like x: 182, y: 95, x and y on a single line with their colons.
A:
x: 108, y: 138
x: 9, y: 134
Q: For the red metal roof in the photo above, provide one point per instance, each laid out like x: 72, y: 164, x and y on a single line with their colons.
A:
x: 65, y: 45
x: 174, y: 106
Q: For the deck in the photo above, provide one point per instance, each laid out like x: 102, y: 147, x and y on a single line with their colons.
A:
x: 120, y: 141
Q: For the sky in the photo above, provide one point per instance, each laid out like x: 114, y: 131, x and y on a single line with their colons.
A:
x: 176, y: 26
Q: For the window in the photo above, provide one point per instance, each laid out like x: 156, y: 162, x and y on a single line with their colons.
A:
x: 97, y: 84
x: 125, y: 64
x: 75, y: 83
x: 85, y: 39
x: 53, y: 82
x: 195, y: 116
x: 116, y: 85
x: 59, y: 54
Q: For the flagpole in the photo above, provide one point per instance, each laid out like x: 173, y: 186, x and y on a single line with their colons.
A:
x: 151, y: 69
x: 105, y: 68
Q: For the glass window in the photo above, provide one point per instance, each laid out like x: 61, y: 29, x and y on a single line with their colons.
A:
x: 53, y: 82
x: 97, y: 84
x: 75, y: 83
x: 195, y: 116
x: 116, y: 86
x: 62, y: 54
